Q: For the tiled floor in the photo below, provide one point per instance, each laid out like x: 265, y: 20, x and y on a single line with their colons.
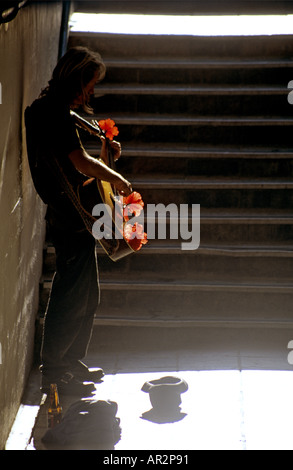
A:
x: 240, y: 387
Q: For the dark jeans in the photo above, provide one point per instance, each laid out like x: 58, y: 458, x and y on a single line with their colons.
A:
x: 73, y: 303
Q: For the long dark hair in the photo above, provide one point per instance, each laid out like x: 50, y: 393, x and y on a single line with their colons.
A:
x: 72, y: 73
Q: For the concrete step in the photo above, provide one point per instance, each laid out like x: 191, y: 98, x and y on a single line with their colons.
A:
x: 198, y: 72
x: 173, y: 247
x: 147, y: 159
x: 203, y: 130
x: 202, y: 133
x: 206, y: 105
x: 223, y: 198
x: 199, y: 268
x: 215, y: 49
x: 218, y: 63
x: 181, y: 285
x: 217, y: 194
x: 145, y: 119
x: 195, y: 308
x: 241, y: 216
x: 258, y: 251
x: 194, y: 183
x: 186, y: 151
x: 142, y: 286
x: 185, y: 89
x: 234, y: 168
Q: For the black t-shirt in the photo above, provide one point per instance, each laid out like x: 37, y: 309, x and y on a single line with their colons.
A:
x: 51, y: 134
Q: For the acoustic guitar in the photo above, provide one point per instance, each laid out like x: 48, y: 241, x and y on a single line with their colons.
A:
x: 94, y: 191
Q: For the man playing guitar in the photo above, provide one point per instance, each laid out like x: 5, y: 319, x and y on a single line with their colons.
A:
x: 53, y: 143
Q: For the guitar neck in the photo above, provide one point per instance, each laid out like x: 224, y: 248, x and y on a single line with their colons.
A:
x: 86, y: 125
x: 110, y: 157
x: 95, y: 130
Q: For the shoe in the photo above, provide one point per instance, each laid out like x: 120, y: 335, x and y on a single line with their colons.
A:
x: 82, y: 373
x: 69, y: 385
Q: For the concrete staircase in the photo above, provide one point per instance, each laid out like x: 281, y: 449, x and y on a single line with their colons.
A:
x: 202, y: 121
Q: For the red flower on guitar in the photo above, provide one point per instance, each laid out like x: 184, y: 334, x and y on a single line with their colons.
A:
x: 133, y: 233
x: 133, y: 205
x: 135, y: 236
x: 109, y: 128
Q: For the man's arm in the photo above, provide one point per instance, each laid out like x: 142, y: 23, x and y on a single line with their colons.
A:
x: 92, y: 167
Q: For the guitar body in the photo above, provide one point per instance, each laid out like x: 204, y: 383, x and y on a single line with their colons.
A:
x: 93, y: 192
x: 107, y: 195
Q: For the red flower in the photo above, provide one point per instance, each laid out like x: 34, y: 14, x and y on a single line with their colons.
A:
x: 133, y: 198
x: 135, y: 236
x: 108, y: 126
x: 133, y: 233
x: 133, y: 205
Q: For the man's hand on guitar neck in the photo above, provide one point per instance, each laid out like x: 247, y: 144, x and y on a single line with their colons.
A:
x: 115, y: 147
x: 123, y: 186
